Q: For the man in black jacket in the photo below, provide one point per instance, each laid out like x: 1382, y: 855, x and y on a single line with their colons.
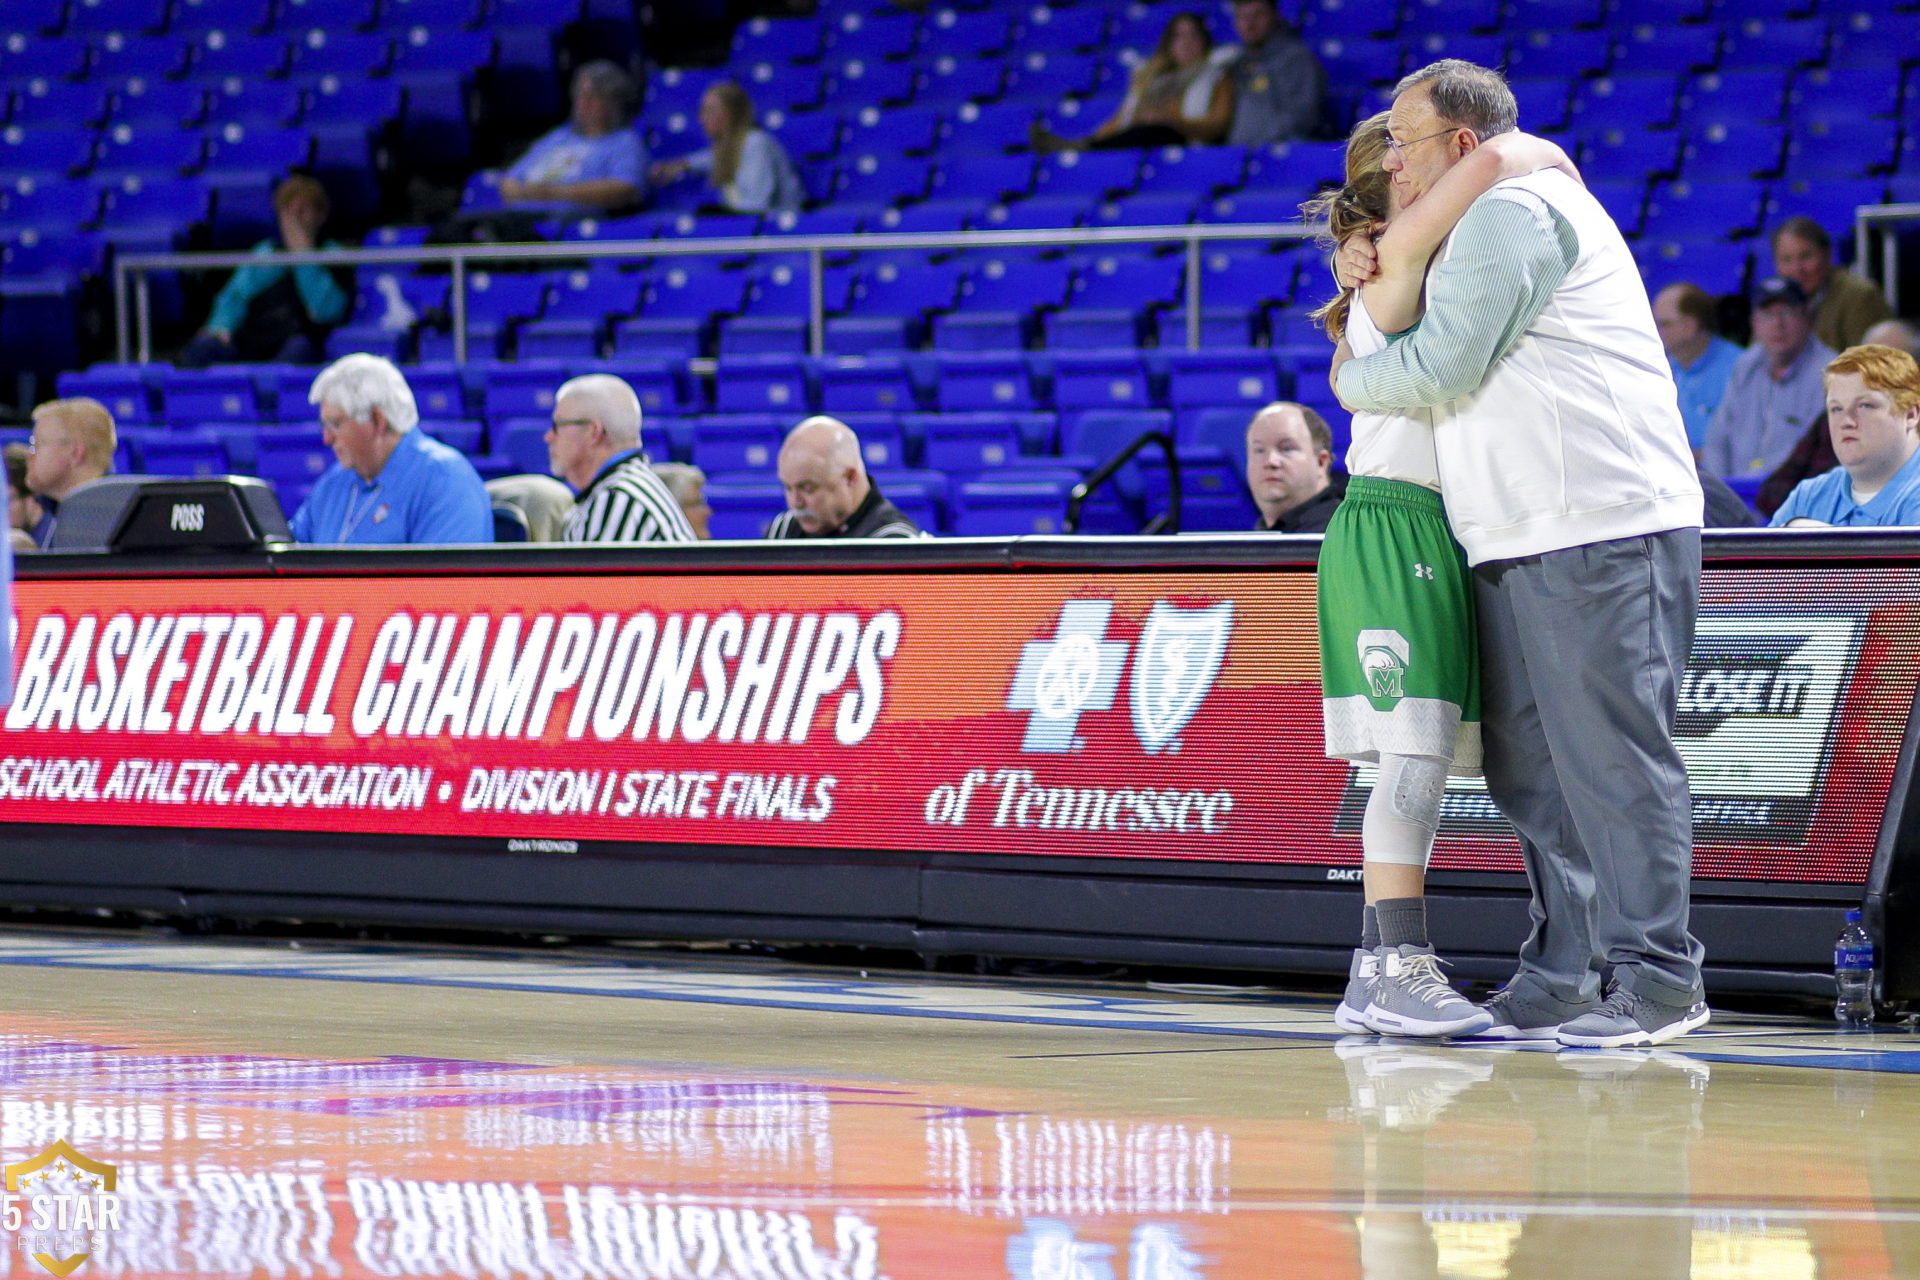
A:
x: 829, y: 494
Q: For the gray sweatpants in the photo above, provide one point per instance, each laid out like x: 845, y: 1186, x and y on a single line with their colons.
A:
x: 1581, y: 655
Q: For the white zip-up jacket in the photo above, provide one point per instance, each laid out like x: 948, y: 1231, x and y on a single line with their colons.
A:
x: 1556, y: 419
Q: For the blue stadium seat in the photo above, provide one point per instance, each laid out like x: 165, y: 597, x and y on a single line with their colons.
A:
x: 1626, y: 103
x: 1037, y: 213
x: 1558, y: 50
x: 1253, y: 205
x: 1087, y: 174
x: 117, y: 54
x: 1545, y: 102
x: 237, y: 154
x: 124, y: 388
x: 57, y: 57
x: 805, y: 134
x: 1081, y: 26
x: 47, y: 205
x: 1158, y: 209
x: 153, y: 204
x: 1830, y: 201
x: 1111, y: 302
x: 1845, y: 96
x: 1734, y: 97
x: 942, y: 215
x: 894, y: 131
x: 904, y: 294
x: 460, y: 434
x: 224, y: 53
x: 185, y: 453
x: 948, y: 81
x: 523, y: 389
x: 874, y: 35
x: 1820, y: 150
x: 523, y: 442
x: 1718, y: 151
x: 496, y: 301
x: 334, y: 15
x: 795, y: 39
x: 1757, y: 42
x: 1630, y: 155
x: 784, y: 85
x: 1650, y: 47
x: 737, y: 442
x: 209, y: 395
x: 50, y: 153
x: 222, y: 15
x: 1204, y: 379
x: 1297, y: 166
x: 968, y: 33
x: 984, y: 174
x: 1462, y: 36
x: 862, y: 383
x: 1087, y: 380
x: 743, y: 510
x: 40, y: 102
x: 149, y: 103
x: 319, y: 52
x: 883, y: 447
x: 1624, y: 199
x: 577, y: 312
x: 1009, y: 508
x: 868, y: 80
x: 254, y: 104
x: 987, y: 381
x: 32, y: 17
x: 761, y: 384
x: 439, y: 15
x: 438, y: 391
x: 882, y: 178
x: 992, y: 126
x: 963, y: 445
x: 1698, y: 210
x: 125, y: 150
x: 1714, y: 265
x: 1357, y: 60
x: 657, y: 383
x: 1192, y: 170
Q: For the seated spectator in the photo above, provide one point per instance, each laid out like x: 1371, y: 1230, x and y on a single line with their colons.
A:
x: 594, y: 163
x: 275, y: 313
x: 1701, y: 360
x: 1178, y: 96
x: 1289, y: 469
x: 541, y: 503
x: 23, y: 509
x: 1278, y: 85
x: 1774, y: 392
x: 747, y: 168
x: 73, y: 443
x: 594, y: 445
x: 829, y: 494
x: 393, y: 484
x: 1873, y: 414
x: 1897, y: 334
x: 688, y: 485
x: 1844, y: 305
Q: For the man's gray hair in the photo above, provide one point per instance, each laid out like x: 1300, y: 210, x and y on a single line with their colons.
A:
x: 1467, y: 94
x: 683, y: 480
x: 609, y: 401
x: 612, y: 83
x: 360, y: 383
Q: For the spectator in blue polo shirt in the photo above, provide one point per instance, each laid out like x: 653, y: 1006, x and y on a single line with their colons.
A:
x: 1873, y: 414
x: 1701, y: 360
x: 594, y: 163
x: 393, y: 484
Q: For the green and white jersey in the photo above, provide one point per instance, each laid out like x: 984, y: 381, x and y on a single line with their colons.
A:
x: 1388, y: 446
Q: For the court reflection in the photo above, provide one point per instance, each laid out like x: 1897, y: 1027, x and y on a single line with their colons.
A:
x: 1367, y: 1159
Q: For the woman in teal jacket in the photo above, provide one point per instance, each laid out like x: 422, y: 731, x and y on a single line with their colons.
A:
x: 271, y: 312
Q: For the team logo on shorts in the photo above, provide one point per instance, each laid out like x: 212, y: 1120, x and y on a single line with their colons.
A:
x: 1180, y: 654
x: 1384, y: 655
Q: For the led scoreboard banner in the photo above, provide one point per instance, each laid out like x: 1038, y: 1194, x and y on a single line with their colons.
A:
x: 1137, y: 715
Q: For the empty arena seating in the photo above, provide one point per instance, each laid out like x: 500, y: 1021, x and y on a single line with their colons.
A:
x: 984, y: 377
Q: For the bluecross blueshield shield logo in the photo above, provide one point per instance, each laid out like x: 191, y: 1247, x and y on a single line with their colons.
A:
x: 1179, y: 656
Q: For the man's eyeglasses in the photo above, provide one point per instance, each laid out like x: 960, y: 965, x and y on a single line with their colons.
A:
x: 572, y: 422
x: 1400, y: 149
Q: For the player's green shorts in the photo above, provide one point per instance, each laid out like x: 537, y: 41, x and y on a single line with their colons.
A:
x: 1399, y: 653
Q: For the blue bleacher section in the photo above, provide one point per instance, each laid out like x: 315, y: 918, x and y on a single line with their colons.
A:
x: 985, y: 381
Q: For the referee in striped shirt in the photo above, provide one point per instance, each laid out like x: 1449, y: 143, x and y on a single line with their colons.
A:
x: 594, y: 445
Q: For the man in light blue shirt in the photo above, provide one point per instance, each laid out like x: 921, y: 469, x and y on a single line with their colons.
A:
x: 595, y: 163
x: 1701, y: 359
x: 393, y: 485
x: 1873, y: 412
x: 1775, y: 391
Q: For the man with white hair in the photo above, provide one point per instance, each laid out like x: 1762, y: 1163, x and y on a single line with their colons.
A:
x: 594, y: 445
x: 393, y: 484
x: 829, y: 494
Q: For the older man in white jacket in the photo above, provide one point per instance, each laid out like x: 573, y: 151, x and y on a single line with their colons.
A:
x: 1568, y: 480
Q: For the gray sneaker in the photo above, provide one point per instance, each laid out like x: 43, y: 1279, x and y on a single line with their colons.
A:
x: 1411, y: 997
x: 1624, y: 1020
x: 1514, y: 1016
x: 1352, y: 1013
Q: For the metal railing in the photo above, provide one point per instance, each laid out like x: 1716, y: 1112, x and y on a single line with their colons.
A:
x: 1882, y: 220
x: 1167, y: 521
x: 133, y: 317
